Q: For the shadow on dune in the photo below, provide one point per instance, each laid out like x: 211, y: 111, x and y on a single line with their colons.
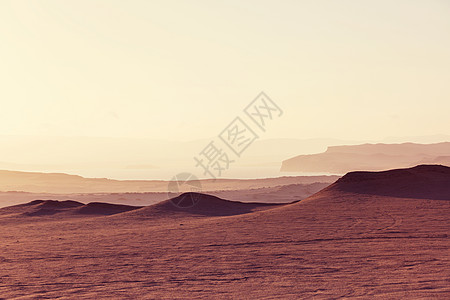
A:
x: 65, y: 208
x: 98, y: 208
x: 48, y: 207
x: 54, y: 203
x: 205, y: 205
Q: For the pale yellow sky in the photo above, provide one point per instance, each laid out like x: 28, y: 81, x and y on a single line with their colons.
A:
x: 182, y: 70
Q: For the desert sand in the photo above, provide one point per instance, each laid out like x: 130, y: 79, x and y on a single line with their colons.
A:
x: 348, y: 240
x: 20, y: 187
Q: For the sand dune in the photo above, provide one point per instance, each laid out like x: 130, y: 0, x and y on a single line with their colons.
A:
x: 345, y: 241
x: 204, y: 205
x: 62, y: 209
x: 97, y: 208
x: 424, y: 181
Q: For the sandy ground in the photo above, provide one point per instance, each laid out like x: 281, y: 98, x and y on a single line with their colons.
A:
x: 334, y: 244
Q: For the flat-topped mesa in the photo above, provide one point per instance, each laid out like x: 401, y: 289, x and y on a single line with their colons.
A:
x: 435, y: 149
x: 369, y: 157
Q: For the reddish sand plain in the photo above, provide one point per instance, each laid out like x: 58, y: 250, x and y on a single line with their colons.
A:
x: 347, y: 241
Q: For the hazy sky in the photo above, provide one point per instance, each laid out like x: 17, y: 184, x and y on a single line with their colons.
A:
x: 182, y: 70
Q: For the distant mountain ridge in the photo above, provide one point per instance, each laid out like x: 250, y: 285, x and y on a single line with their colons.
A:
x: 36, y: 182
x: 369, y: 157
